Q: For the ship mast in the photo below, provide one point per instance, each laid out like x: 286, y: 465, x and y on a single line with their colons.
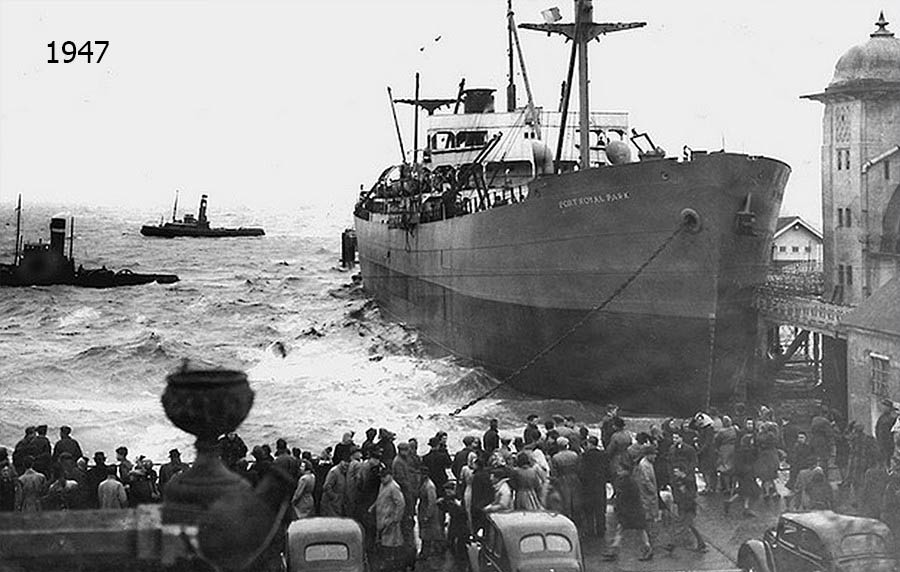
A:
x: 511, y: 85
x: 18, y: 227
x: 581, y: 32
x: 175, y: 207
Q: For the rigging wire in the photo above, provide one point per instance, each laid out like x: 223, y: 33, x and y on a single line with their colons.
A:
x: 574, y: 327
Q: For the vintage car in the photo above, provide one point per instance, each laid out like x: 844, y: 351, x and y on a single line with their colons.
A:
x: 526, y: 540
x: 327, y: 544
x: 821, y: 541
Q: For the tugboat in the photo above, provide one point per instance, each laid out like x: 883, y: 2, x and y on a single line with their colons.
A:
x: 190, y: 226
x: 43, y: 264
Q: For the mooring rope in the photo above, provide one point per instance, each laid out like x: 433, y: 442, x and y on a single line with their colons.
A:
x: 577, y: 324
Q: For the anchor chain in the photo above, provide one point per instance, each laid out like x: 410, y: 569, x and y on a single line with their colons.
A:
x: 577, y: 324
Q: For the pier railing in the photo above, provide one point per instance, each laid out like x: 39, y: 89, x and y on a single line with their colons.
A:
x: 786, y: 306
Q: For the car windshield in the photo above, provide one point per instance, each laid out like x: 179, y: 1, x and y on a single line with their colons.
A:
x: 330, y: 551
x: 862, y: 544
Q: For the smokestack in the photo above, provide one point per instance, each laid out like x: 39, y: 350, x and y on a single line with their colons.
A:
x: 201, y: 216
x: 58, y: 235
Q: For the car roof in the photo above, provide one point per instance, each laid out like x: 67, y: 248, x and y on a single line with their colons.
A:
x: 325, y: 528
x: 528, y: 521
x: 833, y: 527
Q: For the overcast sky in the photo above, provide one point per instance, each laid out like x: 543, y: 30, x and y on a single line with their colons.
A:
x: 269, y: 102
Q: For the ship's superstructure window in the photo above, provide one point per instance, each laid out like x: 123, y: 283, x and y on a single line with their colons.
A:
x: 887, y: 170
x: 840, y: 221
x: 848, y: 220
x: 840, y: 274
x: 471, y: 138
x: 443, y: 140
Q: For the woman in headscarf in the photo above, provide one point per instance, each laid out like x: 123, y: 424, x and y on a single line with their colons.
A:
x: 725, y: 442
x: 466, y: 475
x: 527, y: 482
x: 302, y: 501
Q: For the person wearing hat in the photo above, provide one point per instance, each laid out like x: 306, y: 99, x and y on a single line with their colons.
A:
x: 429, y: 517
x: 645, y: 478
x: 42, y: 452
x: 390, y: 511
x: 438, y: 460
x: 335, y: 500
x: 461, y: 458
x: 491, y: 439
x: 565, y: 468
x: 406, y: 475
x: 23, y: 449
x: 883, y: 429
x: 66, y: 444
x: 387, y: 447
x: 531, y: 434
x: 369, y: 443
x: 170, y: 469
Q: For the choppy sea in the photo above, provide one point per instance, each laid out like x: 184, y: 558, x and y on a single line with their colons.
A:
x: 97, y: 359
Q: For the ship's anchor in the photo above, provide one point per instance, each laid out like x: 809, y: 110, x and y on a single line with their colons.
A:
x: 690, y: 222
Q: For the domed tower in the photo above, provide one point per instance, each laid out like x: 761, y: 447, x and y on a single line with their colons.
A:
x: 861, y: 168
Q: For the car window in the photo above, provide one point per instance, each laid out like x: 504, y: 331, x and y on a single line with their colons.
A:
x: 558, y: 543
x: 329, y: 551
x: 788, y: 532
x: 862, y: 544
x: 531, y: 543
x: 810, y: 543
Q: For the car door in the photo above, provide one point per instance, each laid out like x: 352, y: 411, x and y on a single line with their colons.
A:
x: 786, y: 552
x: 489, y: 556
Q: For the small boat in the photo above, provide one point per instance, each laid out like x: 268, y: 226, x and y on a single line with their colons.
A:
x: 46, y: 264
x: 190, y: 226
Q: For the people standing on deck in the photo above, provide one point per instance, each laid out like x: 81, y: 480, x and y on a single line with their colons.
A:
x: 503, y: 494
x: 565, y: 470
x: 438, y: 460
x: 66, y: 444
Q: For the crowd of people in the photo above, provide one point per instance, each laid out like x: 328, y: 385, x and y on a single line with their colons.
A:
x: 650, y: 478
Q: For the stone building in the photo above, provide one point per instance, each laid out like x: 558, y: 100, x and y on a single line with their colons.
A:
x: 861, y: 169
x: 796, y: 244
x: 873, y: 353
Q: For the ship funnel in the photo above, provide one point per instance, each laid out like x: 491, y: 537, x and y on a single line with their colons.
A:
x: 201, y: 215
x: 58, y: 235
x: 478, y: 100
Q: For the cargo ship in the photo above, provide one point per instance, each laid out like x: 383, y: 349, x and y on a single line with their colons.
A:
x: 566, y: 253
x: 195, y: 227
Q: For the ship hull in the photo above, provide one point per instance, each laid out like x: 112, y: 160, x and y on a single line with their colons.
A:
x: 499, y: 287
x: 173, y: 232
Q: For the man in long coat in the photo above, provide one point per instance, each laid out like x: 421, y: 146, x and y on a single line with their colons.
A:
x: 389, y: 509
x: 645, y: 478
x: 406, y: 475
x: 335, y: 501
x: 430, y: 517
x: 565, y: 469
